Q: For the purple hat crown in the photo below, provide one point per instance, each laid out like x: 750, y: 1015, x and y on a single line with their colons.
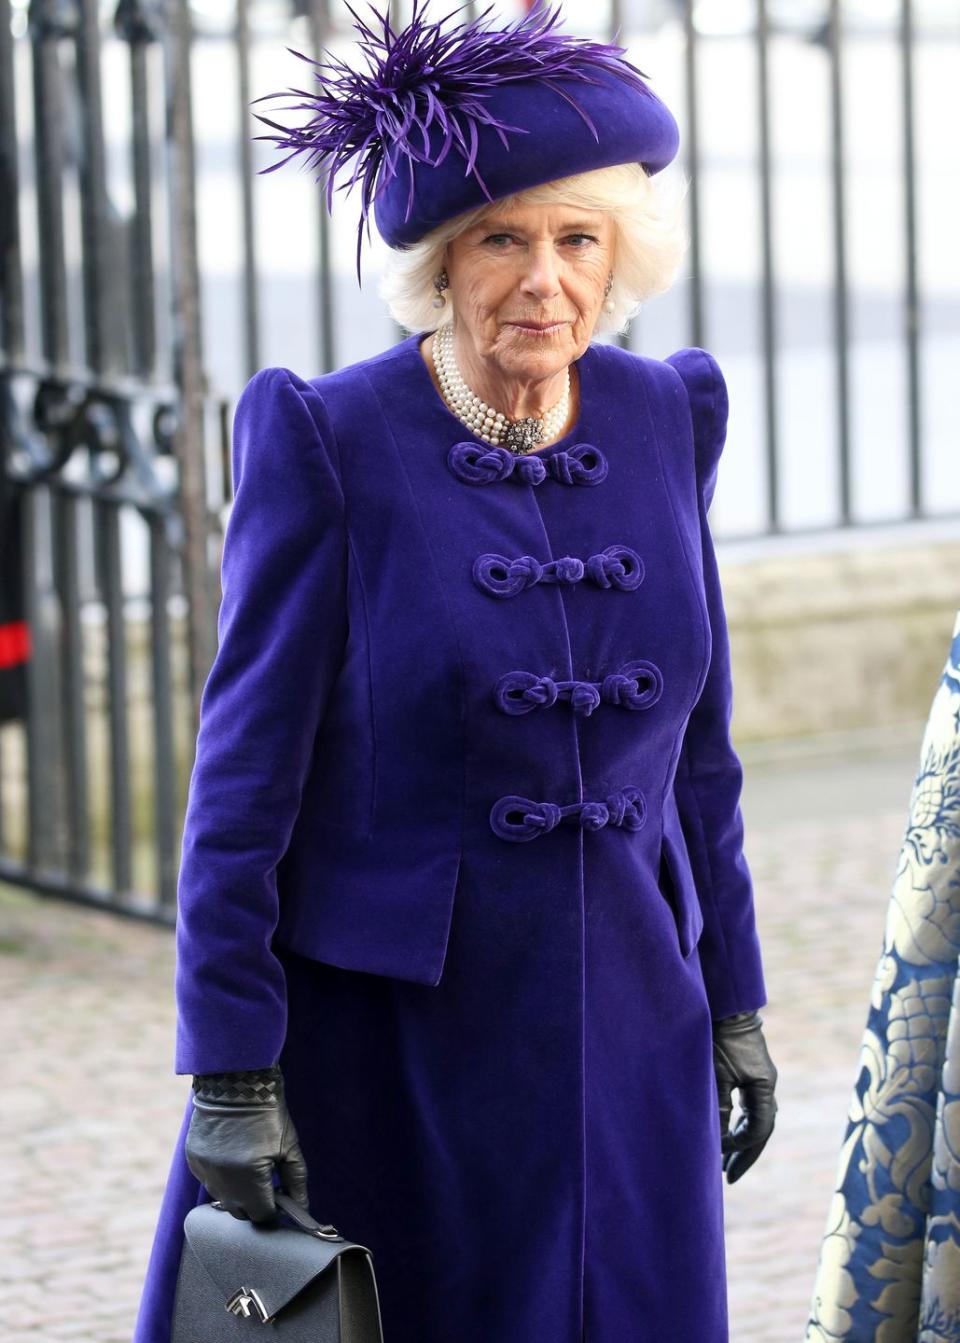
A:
x: 423, y: 82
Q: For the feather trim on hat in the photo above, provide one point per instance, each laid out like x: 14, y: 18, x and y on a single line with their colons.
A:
x: 419, y: 78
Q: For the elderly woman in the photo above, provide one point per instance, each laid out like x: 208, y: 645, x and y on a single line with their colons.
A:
x: 467, y: 957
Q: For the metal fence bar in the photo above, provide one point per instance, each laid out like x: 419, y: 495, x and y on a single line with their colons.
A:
x: 767, y: 290
x: 49, y: 27
x: 251, y: 307
x: 693, y: 160
x: 188, y: 348
x: 320, y: 28
x: 911, y: 298
x: 73, y: 743
x: 103, y: 316
x: 11, y: 268
x: 48, y: 24
x: 109, y: 581
x: 138, y: 25
x: 165, y: 792
x: 841, y: 299
x: 41, y: 727
x: 11, y: 286
x: 101, y: 263
x: 626, y: 338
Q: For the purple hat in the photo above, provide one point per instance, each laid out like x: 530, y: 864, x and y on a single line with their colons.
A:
x: 442, y: 121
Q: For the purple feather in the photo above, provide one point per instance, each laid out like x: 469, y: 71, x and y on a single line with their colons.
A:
x: 422, y: 77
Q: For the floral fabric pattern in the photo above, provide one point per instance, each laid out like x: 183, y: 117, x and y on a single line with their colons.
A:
x: 889, y: 1264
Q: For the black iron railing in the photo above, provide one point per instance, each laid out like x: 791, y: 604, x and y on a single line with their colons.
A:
x: 114, y: 432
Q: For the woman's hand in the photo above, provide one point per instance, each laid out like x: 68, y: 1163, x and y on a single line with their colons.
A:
x: 239, y: 1130
x: 741, y: 1060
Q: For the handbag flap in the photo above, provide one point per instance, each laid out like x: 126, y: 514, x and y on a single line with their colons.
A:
x: 273, y: 1260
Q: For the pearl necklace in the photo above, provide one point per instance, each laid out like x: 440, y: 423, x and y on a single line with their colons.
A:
x: 491, y: 425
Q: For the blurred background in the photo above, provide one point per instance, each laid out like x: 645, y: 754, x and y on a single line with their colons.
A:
x: 148, y: 266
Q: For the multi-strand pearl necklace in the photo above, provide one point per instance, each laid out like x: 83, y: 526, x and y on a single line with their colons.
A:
x: 491, y: 425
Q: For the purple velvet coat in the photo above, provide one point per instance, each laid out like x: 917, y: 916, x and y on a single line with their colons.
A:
x: 463, y: 846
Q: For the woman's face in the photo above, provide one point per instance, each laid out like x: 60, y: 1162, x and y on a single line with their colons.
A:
x: 527, y: 286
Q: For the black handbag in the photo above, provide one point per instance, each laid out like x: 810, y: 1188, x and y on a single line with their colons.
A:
x: 306, y: 1281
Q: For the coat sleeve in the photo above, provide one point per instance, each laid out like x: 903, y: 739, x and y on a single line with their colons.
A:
x: 709, y: 773
x: 281, y: 630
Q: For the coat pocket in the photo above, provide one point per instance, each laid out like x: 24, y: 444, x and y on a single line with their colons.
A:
x: 676, y: 879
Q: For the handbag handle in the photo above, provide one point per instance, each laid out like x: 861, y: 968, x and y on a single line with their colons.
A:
x: 299, y: 1215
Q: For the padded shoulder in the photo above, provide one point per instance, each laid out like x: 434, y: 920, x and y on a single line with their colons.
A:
x: 280, y: 424
x: 709, y: 409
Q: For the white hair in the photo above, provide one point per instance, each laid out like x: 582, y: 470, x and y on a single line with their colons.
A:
x: 650, y: 240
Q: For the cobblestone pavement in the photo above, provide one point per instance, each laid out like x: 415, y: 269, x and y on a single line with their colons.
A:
x: 88, y: 1004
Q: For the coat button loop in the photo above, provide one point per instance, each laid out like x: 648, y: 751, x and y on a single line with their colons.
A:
x: 488, y: 464
x: 583, y: 464
x: 635, y: 685
x: 523, y: 818
x: 617, y: 566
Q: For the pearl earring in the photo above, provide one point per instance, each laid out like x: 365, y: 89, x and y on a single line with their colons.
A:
x: 441, y: 283
x: 608, y: 304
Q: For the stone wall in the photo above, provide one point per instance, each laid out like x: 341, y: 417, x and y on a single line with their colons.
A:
x: 838, y: 639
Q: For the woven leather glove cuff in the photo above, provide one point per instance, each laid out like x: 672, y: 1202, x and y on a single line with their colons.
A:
x: 254, y: 1086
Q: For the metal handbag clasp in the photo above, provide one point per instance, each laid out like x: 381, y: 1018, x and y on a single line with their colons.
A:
x: 246, y: 1305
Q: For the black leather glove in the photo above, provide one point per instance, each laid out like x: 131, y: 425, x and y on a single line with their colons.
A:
x: 240, y: 1128
x: 741, y: 1060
